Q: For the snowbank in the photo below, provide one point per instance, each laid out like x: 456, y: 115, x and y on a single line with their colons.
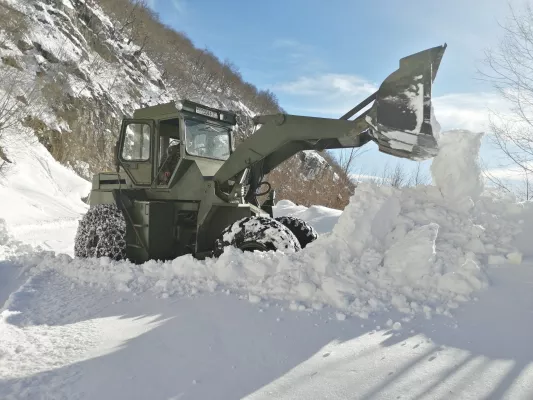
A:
x: 20, y: 254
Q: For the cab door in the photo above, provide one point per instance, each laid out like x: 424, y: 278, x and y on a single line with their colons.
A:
x: 136, y: 150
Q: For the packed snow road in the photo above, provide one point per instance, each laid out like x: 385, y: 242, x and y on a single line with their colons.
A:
x: 66, y: 339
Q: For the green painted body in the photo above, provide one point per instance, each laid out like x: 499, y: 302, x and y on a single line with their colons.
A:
x: 184, y: 211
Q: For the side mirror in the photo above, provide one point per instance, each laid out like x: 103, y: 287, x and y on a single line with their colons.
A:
x: 115, y: 152
x: 233, y: 131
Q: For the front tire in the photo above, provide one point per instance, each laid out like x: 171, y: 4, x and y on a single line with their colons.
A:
x: 257, y: 233
x: 101, y: 233
x: 304, y: 232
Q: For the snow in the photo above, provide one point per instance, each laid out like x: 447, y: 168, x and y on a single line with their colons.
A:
x: 456, y: 170
x: 421, y: 284
x: 63, y: 339
x: 420, y: 293
x: 41, y: 190
x: 322, y: 219
x: 392, y: 258
x: 416, y: 98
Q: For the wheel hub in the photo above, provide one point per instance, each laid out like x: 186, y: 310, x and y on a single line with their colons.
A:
x: 251, y: 246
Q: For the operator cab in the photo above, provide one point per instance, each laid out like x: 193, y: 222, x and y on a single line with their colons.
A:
x: 154, y: 143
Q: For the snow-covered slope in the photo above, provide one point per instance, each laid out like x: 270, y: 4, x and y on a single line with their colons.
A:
x: 38, y: 193
x: 408, y: 294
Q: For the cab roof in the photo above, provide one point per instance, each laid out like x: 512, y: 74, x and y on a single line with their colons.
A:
x: 177, y: 109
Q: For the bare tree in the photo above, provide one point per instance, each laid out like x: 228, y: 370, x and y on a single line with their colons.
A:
x: 294, y: 182
x: 346, y: 158
x: 4, y: 161
x: 17, y: 95
x: 509, y: 67
x: 418, y: 177
x: 12, y: 23
x: 397, y: 176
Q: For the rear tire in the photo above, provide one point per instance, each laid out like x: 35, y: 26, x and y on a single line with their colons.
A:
x: 101, y: 233
x: 304, y: 232
x: 257, y: 233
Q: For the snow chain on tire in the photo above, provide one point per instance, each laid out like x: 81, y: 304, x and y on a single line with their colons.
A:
x: 304, y: 232
x: 257, y: 233
x: 101, y: 233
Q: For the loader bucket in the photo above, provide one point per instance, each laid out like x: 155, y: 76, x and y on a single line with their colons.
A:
x: 402, y: 113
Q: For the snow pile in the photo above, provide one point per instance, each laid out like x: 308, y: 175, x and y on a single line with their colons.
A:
x: 18, y: 253
x: 9, y: 247
x: 5, y: 240
x: 21, y: 254
x: 417, y: 250
x: 323, y: 219
x: 36, y: 194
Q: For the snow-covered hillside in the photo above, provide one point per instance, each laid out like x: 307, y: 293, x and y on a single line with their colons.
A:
x: 419, y: 293
x: 75, y: 87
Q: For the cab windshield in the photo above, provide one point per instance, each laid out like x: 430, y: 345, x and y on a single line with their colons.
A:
x: 206, y: 139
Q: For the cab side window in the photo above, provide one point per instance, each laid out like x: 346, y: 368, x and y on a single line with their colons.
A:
x: 136, y: 142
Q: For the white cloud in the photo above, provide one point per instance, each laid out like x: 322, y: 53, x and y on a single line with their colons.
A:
x: 468, y: 110
x: 509, y: 173
x: 328, y: 85
x: 329, y: 95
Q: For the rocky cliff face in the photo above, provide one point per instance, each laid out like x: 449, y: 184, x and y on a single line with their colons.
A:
x: 82, y: 79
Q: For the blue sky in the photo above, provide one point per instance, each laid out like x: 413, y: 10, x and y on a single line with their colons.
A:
x: 321, y: 58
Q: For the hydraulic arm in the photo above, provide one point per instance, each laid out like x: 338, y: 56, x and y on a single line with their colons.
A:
x: 399, y: 121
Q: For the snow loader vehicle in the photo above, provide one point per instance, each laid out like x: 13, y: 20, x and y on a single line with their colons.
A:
x: 181, y: 187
